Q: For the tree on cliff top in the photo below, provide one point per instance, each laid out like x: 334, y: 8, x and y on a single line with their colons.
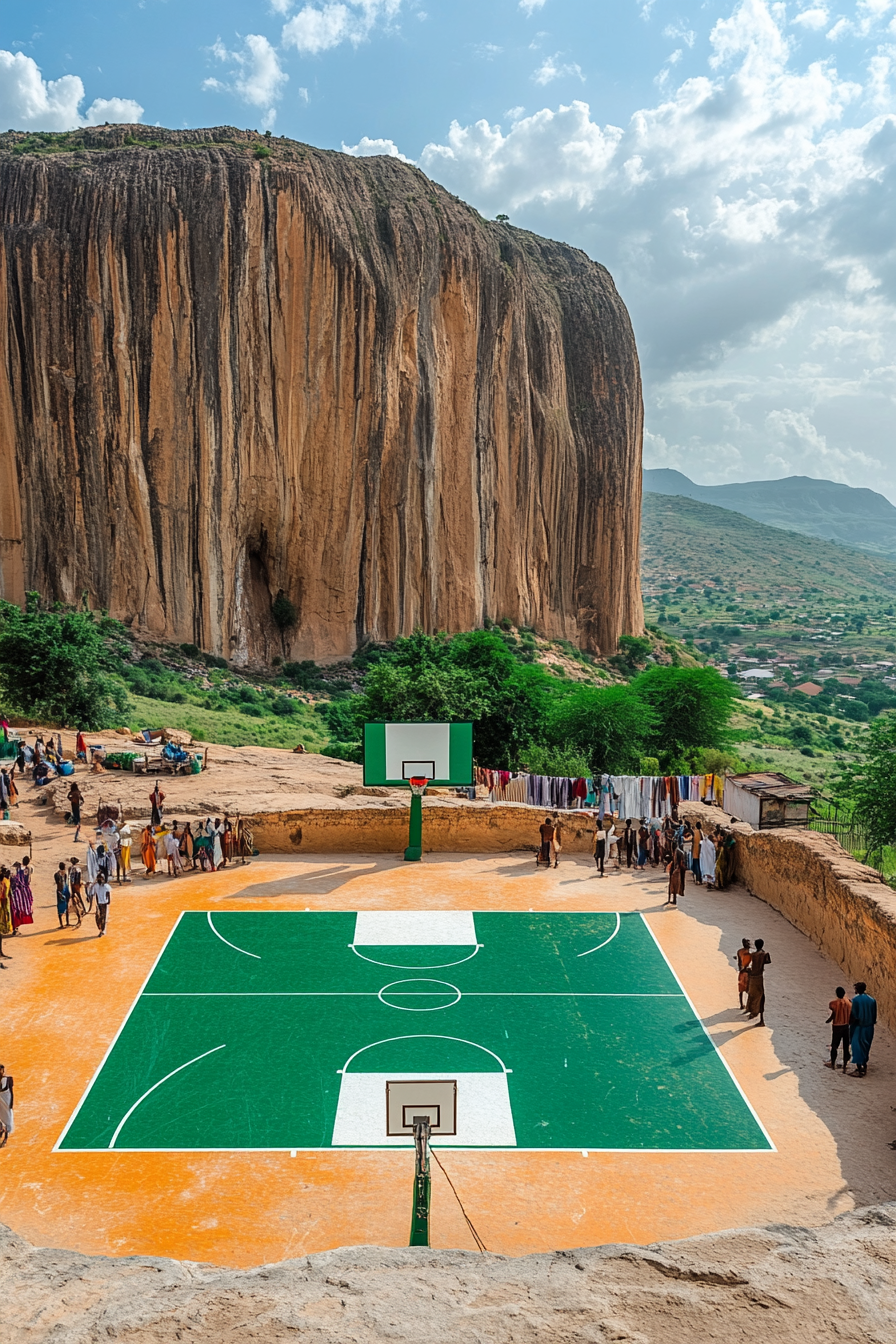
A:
x: 54, y: 665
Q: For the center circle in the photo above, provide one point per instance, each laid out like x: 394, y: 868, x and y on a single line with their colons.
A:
x: 419, y: 996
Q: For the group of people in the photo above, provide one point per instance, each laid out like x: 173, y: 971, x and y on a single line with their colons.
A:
x: 852, y: 1021
x: 708, y: 854
x: 16, y: 899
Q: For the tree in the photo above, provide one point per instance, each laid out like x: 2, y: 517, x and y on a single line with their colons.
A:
x: 473, y: 676
x: 55, y: 665
x: 868, y: 784
x: 609, y: 725
x: 691, y: 707
x: 633, y: 651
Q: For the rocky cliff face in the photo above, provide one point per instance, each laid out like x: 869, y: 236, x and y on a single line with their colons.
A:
x: 224, y: 376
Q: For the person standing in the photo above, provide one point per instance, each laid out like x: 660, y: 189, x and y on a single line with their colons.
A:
x: 756, y: 983
x: 103, y: 894
x: 841, y: 1008
x: 75, y: 880
x: 708, y: 861
x: 643, y: 842
x: 6, y: 925
x: 172, y: 852
x: 556, y: 842
x: 545, y: 846
x: 743, y: 956
x: 156, y: 799
x: 599, y: 849
x: 20, y: 899
x: 862, y: 1017
x: 677, y: 869
x: 696, y: 846
x: 61, y: 882
x: 628, y: 842
x: 75, y: 802
x: 7, y: 1099
x: 123, y: 853
x: 148, y: 850
x: 186, y: 846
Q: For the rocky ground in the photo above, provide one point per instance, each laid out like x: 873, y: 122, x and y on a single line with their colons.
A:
x: 786, y: 1284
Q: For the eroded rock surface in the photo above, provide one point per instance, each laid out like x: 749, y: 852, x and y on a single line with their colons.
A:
x: 222, y: 377
x: 786, y: 1284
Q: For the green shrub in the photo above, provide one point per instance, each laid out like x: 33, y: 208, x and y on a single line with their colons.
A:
x: 284, y: 706
x: 262, y: 152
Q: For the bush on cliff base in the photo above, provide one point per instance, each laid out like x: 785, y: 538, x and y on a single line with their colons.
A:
x: 55, y: 665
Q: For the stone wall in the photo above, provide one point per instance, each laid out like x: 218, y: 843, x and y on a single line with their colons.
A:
x: 476, y: 829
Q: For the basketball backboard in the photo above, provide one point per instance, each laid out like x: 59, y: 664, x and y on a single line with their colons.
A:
x: 432, y: 1099
x: 394, y: 753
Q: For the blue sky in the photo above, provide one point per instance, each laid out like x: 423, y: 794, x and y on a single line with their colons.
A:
x: 732, y: 162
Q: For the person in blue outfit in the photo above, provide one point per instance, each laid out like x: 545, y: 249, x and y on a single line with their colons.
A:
x: 861, y: 1028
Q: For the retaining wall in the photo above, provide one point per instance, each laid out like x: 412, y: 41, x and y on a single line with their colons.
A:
x: 474, y: 829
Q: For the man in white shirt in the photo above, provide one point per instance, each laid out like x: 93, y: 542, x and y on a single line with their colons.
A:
x: 103, y: 895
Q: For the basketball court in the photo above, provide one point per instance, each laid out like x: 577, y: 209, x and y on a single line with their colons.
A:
x: 556, y: 1030
x: 250, y: 1064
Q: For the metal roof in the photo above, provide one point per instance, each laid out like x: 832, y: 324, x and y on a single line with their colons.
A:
x: 768, y: 784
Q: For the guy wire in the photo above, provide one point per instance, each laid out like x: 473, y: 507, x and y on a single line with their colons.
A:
x: 480, y: 1244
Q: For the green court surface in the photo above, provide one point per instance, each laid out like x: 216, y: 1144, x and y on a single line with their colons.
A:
x: 279, y: 1030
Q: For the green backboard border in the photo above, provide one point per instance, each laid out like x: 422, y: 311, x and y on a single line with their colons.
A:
x: 460, y: 755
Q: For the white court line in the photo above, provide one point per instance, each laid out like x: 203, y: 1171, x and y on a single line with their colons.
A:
x: 606, y: 940
x: 410, y: 993
x: 112, y: 1043
x: 149, y: 1090
x: 400, y: 966
x: 228, y: 942
x: 465, y: 1148
x: 423, y: 1036
x: 746, y: 1099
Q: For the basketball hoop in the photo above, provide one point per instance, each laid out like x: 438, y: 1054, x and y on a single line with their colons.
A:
x: 418, y: 784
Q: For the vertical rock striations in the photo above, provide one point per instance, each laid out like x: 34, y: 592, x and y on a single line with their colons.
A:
x: 223, y: 376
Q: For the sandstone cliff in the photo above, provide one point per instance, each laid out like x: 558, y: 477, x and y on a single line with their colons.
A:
x: 224, y: 376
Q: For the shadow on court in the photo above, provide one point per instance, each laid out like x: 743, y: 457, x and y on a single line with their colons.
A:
x: 799, y: 984
x: 320, y: 883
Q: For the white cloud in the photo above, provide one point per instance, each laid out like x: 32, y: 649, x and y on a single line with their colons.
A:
x: 256, y: 75
x: 367, y: 148
x: 487, y: 51
x: 30, y: 102
x: 281, y: 6
x: 314, y: 30
x: 747, y: 219
x: 530, y: 6
x: 549, y: 70
x: 840, y: 29
x: 687, y: 35
x: 812, y: 18
x: 113, y: 110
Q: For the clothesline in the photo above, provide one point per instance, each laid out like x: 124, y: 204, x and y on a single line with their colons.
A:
x: 627, y: 795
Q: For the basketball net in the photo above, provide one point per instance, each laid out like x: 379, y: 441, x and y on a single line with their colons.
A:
x: 418, y: 784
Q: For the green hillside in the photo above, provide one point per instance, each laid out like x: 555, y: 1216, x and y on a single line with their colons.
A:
x: 687, y: 541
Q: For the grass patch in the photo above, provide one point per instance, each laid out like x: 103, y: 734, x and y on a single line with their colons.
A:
x: 230, y: 726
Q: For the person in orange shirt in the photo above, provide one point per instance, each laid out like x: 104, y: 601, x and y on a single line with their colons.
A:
x: 841, y: 1007
x: 743, y: 956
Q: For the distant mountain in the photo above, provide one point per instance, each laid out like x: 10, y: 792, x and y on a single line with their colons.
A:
x: 842, y: 513
x: 701, y: 544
